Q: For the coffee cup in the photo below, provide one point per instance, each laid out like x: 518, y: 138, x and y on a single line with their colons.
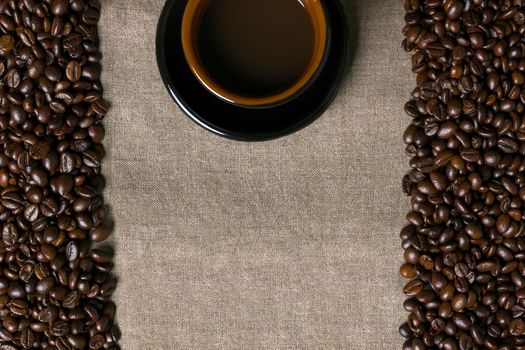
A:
x: 252, y: 63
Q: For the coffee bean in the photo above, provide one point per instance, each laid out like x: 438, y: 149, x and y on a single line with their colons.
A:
x: 92, y: 312
x: 443, y: 158
x: 59, y: 328
x: 77, y: 341
x: 7, y: 23
x: 67, y: 162
x: 464, y: 252
x: 455, y: 106
x: 7, y: 43
x: 71, y: 300
x: 34, y: 195
x: 58, y: 107
x: 91, y: 158
x: 102, y: 257
x: 508, y: 145
x: 91, y: 16
x: 27, y: 338
x: 36, y: 69
x: 62, y: 344
x: 97, y: 342
x: 456, y: 72
x: 461, y: 321
x: 59, y: 7
x: 470, y: 155
x: 62, y: 184
x: 91, y: 72
x: 517, y: 327
x: 26, y: 271
x: 53, y: 73
x: 40, y: 177
x: 476, y: 68
x: 45, y: 285
x: 100, y: 233
x: 54, y: 288
x: 73, y: 71
x: 31, y: 212
x: 72, y: 251
x: 9, y: 234
x: 447, y: 129
x: 11, y: 200
x: 16, y: 292
x: 413, y: 287
x: 408, y: 271
x: 39, y: 150
x: 77, y: 5
x: 96, y: 132
x: 454, y: 9
x: 80, y: 145
x: 102, y: 324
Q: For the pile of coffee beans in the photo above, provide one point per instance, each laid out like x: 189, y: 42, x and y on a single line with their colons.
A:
x: 464, y: 246
x: 55, y: 285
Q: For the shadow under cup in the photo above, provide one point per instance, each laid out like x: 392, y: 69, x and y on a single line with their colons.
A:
x: 195, y: 21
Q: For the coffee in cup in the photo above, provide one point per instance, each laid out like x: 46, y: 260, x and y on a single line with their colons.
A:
x: 255, y: 53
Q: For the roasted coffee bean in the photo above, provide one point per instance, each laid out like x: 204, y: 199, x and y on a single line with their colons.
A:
x: 55, y: 284
x: 7, y: 23
x: 98, y: 341
x: 72, y: 298
x: 464, y: 251
x: 39, y: 150
x: 10, y: 234
x: 45, y: 285
x: 53, y: 73
x: 59, y: 7
x: 100, y: 256
x: 413, y: 287
x: 72, y: 251
x: 7, y: 43
x: 27, y: 338
x: 62, y: 184
x: 36, y: 69
x: 12, y: 77
x: 517, y: 327
x: 77, y: 341
x: 100, y: 233
x: 31, y: 212
x: 73, y: 71
x: 508, y: 145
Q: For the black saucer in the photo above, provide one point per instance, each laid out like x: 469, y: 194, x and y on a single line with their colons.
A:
x: 241, y: 123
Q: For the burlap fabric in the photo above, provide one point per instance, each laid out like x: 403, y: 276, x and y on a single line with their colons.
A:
x: 289, y: 244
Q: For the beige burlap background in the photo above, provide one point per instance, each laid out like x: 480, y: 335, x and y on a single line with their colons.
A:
x: 289, y: 244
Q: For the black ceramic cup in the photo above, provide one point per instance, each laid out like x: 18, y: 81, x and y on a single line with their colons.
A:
x: 242, y: 122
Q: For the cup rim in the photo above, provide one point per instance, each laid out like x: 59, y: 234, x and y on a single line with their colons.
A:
x: 190, y: 23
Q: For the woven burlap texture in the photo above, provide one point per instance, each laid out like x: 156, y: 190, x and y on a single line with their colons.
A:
x: 288, y: 244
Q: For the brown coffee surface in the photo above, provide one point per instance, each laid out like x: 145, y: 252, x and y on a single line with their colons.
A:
x: 255, y: 47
